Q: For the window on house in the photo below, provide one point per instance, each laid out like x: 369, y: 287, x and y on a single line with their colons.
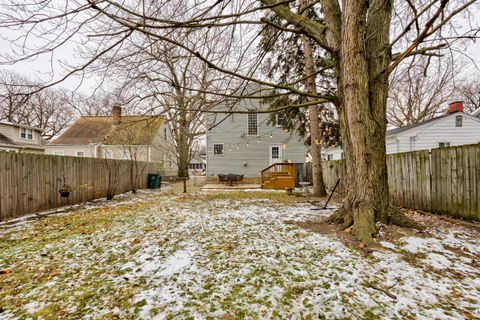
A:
x: 279, y: 119
x: 458, y: 121
x: 59, y: 153
x: 444, y: 144
x: 80, y: 153
x: 252, y: 124
x: 107, y: 154
x: 329, y: 156
x: 218, y: 149
x: 26, y: 133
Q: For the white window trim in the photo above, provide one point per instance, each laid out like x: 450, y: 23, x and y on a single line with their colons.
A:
x: 26, y: 134
x: 223, y: 150
x: 459, y: 116
x: 276, y: 120
x: 82, y: 151
x: 449, y: 144
x: 248, y: 124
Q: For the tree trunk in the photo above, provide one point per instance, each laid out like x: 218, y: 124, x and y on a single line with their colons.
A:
x: 315, y: 135
x: 363, y: 88
x: 183, y: 149
x: 357, y: 36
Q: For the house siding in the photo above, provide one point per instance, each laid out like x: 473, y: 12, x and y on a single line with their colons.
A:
x: 249, y: 159
x: 7, y: 131
x: 12, y: 132
x: 428, y: 136
x: 152, y: 153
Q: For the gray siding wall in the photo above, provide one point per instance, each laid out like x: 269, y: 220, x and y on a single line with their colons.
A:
x: 244, y: 154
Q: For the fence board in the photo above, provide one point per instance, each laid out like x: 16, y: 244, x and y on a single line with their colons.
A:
x: 31, y: 182
x: 446, y: 180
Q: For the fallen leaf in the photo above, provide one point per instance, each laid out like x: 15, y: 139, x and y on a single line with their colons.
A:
x: 348, y: 230
x: 454, y: 293
x: 5, y: 271
x: 468, y: 315
x: 361, y: 245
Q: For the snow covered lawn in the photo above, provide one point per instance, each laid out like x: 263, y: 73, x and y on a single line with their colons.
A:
x: 229, y: 256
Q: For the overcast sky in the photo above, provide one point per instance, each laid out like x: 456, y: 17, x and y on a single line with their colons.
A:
x: 41, y: 68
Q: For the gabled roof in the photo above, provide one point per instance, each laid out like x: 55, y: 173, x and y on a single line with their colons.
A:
x: 20, y: 125
x: 4, y: 141
x: 402, y: 129
x: 9, y: 143
x: 132, y: 130
x: 398, y: 130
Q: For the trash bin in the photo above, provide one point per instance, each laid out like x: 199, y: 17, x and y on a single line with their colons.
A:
x: 154, y: 180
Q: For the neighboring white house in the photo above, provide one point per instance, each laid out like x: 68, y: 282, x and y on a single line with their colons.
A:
x: 16, y: 137
x: 452, y: 129
x: 245, y: 143
x: 144, y: 138
x: 198, y: 163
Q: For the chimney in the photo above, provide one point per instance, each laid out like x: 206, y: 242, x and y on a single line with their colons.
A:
x: 456, y: 106
x: 117, y: 114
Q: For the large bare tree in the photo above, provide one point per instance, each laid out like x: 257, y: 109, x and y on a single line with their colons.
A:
x: 22, y: 102
x: 366, y: 41
x: 419, y: 90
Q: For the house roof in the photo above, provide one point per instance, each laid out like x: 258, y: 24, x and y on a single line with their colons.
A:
x: 20, y: 125
x: 402, y: 129
x: 6, y: 141
x: 398, y: 130
x: 132, y: 130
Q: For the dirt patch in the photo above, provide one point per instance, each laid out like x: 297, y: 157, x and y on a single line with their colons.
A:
x: 390, y: 233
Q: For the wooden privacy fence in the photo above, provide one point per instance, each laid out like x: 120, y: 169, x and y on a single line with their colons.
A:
x: 445, y: 180
x: 31, y: 182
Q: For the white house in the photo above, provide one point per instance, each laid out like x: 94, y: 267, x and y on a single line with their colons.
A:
x: 452, y: 129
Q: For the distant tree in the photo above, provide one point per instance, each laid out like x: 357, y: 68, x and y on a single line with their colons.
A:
x: 468, y: 91
x: 290, y: 55
x: 12, y: 95
x: 418, y: 90
x: 49, y: 109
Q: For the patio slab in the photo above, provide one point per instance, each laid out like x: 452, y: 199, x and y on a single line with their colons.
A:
x: 218, y: 186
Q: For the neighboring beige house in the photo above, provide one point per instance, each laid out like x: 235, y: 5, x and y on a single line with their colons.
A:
x: 142, y: 138
x: 16, y: 137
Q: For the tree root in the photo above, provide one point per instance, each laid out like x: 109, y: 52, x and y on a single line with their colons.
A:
x: 363, y: 220
x: 341, y: 216
x: 398, y: 218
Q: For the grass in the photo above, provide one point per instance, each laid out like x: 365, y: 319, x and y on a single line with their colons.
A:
x: 243, y: 263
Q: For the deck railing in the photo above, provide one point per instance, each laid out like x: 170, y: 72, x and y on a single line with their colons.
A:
x: 278, y: 170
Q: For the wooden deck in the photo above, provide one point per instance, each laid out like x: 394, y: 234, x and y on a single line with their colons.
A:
x: 279, y: 176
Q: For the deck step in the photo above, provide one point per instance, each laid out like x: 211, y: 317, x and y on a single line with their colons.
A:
x: 279, y: 183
